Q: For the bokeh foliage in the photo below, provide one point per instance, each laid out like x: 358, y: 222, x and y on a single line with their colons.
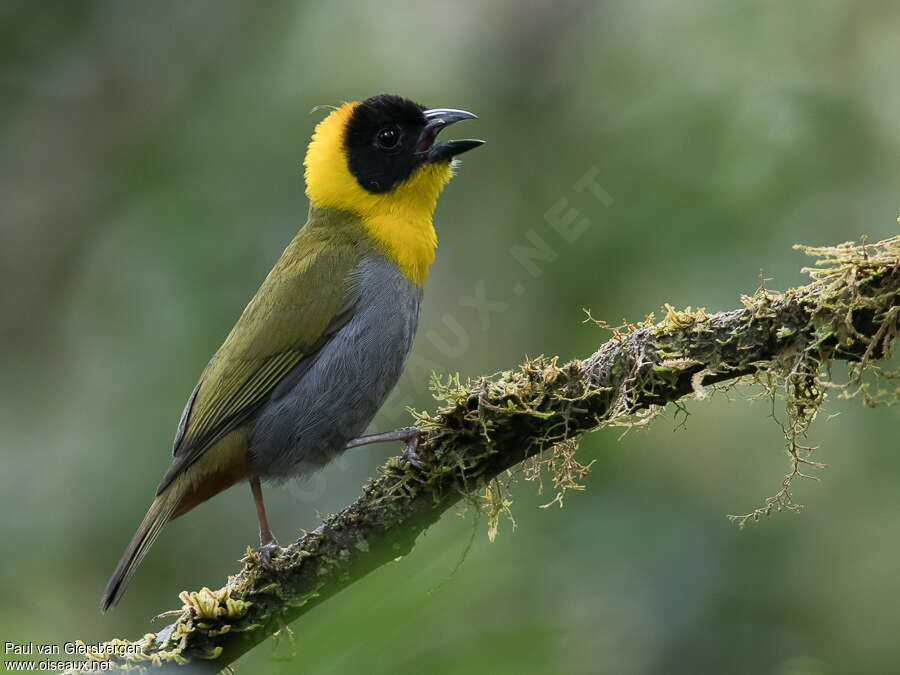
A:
x: 149, y: 156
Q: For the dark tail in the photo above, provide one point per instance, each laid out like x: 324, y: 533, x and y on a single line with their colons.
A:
x: 159, y: 513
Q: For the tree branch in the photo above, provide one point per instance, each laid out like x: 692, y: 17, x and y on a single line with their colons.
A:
x: 849, y: 312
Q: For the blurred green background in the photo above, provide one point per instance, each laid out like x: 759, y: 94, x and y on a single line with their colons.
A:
x: 150, y: 176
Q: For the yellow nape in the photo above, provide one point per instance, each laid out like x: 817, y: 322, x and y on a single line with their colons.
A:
x: 398, y: 221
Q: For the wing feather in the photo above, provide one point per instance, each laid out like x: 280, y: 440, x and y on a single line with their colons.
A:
x: 308, y: 296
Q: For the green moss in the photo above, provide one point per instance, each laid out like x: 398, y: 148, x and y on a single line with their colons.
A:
x: 482, y: 428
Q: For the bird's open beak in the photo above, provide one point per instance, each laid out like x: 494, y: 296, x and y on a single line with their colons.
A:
x: 437, y: 119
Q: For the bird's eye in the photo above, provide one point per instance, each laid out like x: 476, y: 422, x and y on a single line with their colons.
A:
x: 388, y: 138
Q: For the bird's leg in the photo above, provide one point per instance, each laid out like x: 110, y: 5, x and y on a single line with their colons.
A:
x: 409, y: 435
x: 267, y: 542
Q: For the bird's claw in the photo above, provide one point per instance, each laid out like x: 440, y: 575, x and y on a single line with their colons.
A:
x: 409, y: 448
x: 268, y: 551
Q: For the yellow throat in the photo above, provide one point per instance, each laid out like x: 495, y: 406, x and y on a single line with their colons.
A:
x: 398, y: 221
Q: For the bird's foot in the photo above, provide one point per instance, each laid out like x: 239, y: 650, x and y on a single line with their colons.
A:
x: 410, y: 446
x: 409, y: 435
x: 268, y: 550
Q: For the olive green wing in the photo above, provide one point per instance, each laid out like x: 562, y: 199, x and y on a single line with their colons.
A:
x: 307, y: 297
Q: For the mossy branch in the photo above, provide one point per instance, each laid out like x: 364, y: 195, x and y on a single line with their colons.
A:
x: 849, y: 312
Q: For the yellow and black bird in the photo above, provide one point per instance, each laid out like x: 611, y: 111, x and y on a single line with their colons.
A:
x: 324, y: 340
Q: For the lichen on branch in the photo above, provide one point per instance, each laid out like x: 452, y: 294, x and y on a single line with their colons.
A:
x: 485, y: 426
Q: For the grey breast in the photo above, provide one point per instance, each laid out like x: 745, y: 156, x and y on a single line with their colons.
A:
x: 310, y: 417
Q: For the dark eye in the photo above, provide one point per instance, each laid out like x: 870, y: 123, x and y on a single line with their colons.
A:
x: 388, y: 138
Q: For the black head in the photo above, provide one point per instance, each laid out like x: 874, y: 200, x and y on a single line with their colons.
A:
x: 388, y: 137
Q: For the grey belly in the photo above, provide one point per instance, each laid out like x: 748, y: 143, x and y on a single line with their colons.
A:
x: 309, y: 420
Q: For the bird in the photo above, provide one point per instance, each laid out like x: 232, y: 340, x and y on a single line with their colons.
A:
x: 317, y: 350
